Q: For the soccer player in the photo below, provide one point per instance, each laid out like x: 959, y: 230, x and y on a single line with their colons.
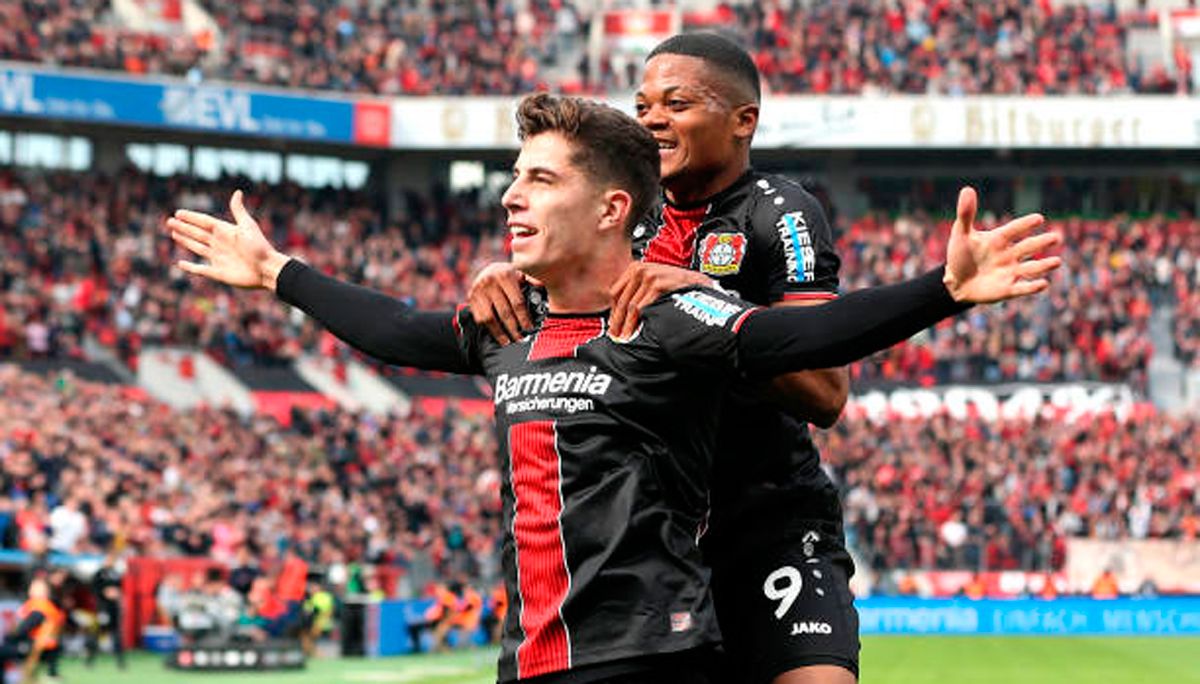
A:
x: 776, y: 517
x: 604, y: 489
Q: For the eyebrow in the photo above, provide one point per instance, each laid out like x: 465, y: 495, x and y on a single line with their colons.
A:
x: 666, y: 92
x: 538, y: 171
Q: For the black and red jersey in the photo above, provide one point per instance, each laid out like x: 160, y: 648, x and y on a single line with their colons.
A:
x: 767, y: 240
x: 606, y: 446
x: 604, y: 490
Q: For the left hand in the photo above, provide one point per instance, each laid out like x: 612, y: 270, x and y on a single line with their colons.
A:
x: 986, y: 266
x: 639, y: 286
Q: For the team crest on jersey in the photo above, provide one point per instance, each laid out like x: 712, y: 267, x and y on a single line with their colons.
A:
x: 721, y: 254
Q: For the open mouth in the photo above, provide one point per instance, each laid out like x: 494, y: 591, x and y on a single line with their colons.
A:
x: 520, y: 232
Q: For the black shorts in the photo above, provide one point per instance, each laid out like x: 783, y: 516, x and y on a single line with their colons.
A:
x: 783, y: 601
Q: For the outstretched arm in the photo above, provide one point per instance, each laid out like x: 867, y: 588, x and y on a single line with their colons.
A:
x: 982, y: 267
x: 239, y: 254
x: 779, y: 340
x: 816, y: 396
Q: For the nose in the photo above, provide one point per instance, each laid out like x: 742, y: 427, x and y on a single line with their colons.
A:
x: 653, y: 117
x: 513, y: 198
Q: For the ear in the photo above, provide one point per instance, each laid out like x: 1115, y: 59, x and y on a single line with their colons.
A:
x: 614, y: 210
x: 745, y: 121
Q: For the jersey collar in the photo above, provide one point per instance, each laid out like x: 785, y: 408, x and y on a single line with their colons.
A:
x: 714, y: 199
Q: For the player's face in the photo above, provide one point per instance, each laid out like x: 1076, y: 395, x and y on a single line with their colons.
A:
x: 554, y: 209
x: 694, y: 125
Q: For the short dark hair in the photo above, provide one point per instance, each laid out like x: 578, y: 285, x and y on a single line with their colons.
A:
x: 610, y: 146
x: 719, y: 52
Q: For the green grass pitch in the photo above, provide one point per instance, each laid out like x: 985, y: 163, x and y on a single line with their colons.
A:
x: 885, y: 660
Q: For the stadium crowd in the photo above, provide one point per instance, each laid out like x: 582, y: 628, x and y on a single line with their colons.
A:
x: 952, y: 47
x: 85, y: 256
x: 85, y: 467
x: 946, y: 493
x: 1094, y: 325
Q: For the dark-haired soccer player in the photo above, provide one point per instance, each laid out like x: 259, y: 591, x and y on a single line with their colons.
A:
x: 775, y: 542
x: 780, y: 567
x: 604, y: 488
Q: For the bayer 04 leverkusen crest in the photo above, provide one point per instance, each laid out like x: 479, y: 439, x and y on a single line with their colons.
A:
x: 721, y: 254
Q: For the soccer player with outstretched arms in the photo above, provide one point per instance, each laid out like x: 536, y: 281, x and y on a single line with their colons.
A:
x: 604, y: 488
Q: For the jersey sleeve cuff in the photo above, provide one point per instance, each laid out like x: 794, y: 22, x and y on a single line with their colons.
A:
x: 808, y: 296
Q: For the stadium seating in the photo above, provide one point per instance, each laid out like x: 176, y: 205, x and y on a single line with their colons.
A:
x: 1004, y: 496
x: 87, y: 259
x: 1092, y: 326
x: 420, y: 493
x: 432, y: 48
x: 417, y: 493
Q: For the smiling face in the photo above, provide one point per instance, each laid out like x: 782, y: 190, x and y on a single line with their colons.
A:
x: 555, y: 210
x: 703, y: 136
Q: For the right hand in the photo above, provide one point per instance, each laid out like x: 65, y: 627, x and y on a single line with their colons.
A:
x: 640, y: 286
x: 238, y: 253
x: 498, y: 304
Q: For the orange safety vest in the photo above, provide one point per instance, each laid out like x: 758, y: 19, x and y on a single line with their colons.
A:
x: 1105, y: 587
x: 444, y: 601
x: 47, y: 632
x: 470, y: 610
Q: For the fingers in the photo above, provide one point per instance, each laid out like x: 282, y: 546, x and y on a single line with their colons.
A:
x: 1037, y: 244
x: 198, y: 219
x: 238, y: 208
x: 189, y: 230
x: 622, y: 293
x: 194, y: 246
x: 484, y: 312
x: 968, y: 203
x: 498, y: 304
x: 634, y: 300
x: 1029, y: 270
x: 1018, y: 228
x: 1024, y: 288
x: 518, y: 320
x: 507, y: 319
x: 194, y: 268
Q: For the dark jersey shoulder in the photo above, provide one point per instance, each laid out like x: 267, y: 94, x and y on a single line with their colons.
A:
x: 765, y: 237
x: 790, y: 225
x: 697, y: 327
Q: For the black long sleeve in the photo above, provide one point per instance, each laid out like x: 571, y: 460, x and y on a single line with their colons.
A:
x: 783, y: 339
x: 374, y: 323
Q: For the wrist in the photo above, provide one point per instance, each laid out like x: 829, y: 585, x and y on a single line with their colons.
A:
x: 270, y: 267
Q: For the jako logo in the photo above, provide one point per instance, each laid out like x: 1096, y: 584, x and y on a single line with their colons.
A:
x: 529, y: 384
x: 797, y: 246
x: 811, y: 628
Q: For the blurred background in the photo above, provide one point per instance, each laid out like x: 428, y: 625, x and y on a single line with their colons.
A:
x: 189, y: 466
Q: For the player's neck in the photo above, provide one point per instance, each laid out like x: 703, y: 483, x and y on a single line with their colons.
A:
x: 585, y: 288
x: 696, y: 189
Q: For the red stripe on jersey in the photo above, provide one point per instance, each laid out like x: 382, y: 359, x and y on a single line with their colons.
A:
x: 737, y: 325
x: 542, y: 575
x: 808, y: 296
x: 560, y: 337
x: 675, y: 243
